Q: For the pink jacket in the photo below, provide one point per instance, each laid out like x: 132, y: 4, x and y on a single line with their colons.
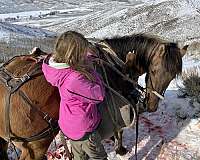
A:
x: 78, y: 111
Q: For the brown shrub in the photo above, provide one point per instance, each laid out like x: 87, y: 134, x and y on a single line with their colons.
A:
x: 191, y: 83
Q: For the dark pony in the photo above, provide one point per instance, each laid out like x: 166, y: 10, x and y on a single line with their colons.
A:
x: 159, y: 59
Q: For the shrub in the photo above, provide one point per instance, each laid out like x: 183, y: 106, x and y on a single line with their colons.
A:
x: 191, y: 83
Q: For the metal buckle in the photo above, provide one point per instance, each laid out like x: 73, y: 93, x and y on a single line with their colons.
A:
x: 25, y: 77
x: 47, y: 118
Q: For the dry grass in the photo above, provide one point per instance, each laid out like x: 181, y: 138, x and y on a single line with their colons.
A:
x: 191, y: 82
x: 22, y: 45
x: 194, y: 50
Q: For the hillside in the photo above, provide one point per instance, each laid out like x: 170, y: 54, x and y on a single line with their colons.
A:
x: 175, y: 20
x: 173, y: 132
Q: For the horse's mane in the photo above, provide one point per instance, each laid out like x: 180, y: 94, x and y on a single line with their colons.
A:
x: 142, y: 44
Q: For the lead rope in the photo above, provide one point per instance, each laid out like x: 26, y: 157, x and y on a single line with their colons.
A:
x: 112, y: 100
x: 63, y: 140
x: 136, y: 130
x: 53, y: 135
x: 125, y: 101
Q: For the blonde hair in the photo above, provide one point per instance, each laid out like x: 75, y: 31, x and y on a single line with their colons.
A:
x: 71, y: 47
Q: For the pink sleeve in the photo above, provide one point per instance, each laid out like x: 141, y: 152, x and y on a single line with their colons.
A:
x: 86, y: 91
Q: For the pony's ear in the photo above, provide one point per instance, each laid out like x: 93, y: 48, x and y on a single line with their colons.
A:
x: 37, y: 52
x: 161, y: 50
x: 130, y: 57
x: 183, y: 50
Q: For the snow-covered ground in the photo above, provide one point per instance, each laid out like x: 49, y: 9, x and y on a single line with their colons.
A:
x: 7, y: 30
x: 177, y: 20
x: 172, y: 132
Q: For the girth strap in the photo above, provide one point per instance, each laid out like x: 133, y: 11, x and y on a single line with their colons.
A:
x: 7, y: 117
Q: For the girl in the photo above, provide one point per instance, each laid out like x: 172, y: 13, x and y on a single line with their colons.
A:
x: 80, y: 89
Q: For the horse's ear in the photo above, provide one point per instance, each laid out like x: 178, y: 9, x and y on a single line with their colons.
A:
x: 184, y: 50
x: 37, y: 52
x: 130, y: 58
x: 161, y: 50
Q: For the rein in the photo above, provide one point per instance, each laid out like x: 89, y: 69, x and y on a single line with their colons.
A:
x: 13, y: 84
x: 161, y: 96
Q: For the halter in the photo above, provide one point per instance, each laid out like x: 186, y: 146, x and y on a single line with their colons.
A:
x: 153, y: 90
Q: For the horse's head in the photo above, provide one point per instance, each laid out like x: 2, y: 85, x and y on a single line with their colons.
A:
x: 162, y: 61
x: 165, y: 63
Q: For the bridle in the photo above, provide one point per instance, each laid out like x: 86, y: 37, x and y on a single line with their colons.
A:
x: 13, y: 85
x: 152, y: 89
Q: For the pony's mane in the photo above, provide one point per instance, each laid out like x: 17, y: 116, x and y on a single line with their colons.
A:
x: 142, y: 44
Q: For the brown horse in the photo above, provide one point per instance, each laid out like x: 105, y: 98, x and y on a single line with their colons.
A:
x: 27, y: 121
x: 162, y: 61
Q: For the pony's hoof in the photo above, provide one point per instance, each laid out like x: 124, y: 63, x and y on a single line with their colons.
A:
x: 121, y: 151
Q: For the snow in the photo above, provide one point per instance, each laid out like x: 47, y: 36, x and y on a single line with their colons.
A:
x: 7, y: 30
x: 24, y: 15
x: 172, y: 132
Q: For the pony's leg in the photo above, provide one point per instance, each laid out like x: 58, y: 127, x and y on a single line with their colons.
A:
x: 33, y: 150
x: 118, y: 143
x: 26, y: 152
x: 3, y: 149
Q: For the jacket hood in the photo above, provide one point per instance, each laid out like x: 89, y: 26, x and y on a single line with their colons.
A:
x: 56, y: 65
